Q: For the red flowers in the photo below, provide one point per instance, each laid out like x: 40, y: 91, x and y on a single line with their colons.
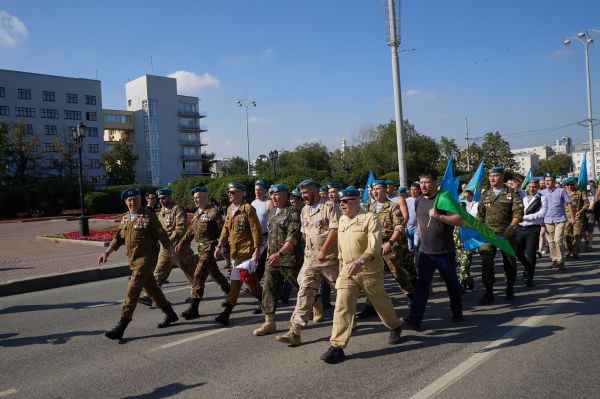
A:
x: 95, y: 235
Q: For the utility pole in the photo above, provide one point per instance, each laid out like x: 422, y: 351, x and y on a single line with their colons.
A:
x: 467, y: 140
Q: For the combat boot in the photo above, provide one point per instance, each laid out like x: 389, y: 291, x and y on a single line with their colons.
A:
x: 317, y: 311
x: 488, y: 297
x: 367, y: 312
x: 510, y: 292
x: 395, y: 336
x: 223, y: 318
x: 170, y: 317
x: 292, y: 337
x: 117, y: 332
x: 334, y: 355
x: 268, y: 326
x: 192, y: 312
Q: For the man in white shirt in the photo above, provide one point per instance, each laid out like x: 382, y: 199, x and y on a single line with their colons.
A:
x: 535, y: 206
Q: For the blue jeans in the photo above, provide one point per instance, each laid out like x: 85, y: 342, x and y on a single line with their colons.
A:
x: 446, y: 265
x: 412, y: 233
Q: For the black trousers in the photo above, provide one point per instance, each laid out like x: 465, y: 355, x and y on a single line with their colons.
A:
x: 527, y: 244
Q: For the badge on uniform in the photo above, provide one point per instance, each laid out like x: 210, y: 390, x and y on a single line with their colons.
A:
x: 141, y: 222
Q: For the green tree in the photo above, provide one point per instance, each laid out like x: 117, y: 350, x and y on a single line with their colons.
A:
x: 66, y: 150
x: 22, y: 154
x: 559, y: 164
x: 236, y: 166
x: 119, y: 164
x: 475, y: 155
x: 497, y: 151
x: 208, y: 160
x: 446, y: 146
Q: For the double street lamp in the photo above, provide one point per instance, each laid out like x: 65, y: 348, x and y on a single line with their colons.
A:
x: 273, y: 155
x: 585, y: 37
x: 246, y: 102
x: 78, y: 135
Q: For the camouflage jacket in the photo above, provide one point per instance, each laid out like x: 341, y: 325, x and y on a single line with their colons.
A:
x: 284, y: 227
x: 389, y: 216
x: 174, y: 221
x: 497, y: 211
x: 579, y: 201
x: 205, y: 228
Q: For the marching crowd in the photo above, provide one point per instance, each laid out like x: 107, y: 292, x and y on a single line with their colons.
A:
x: 320, y: 240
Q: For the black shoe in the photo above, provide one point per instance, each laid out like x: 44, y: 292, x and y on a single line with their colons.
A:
x: 538, y: 253
x: 284, y: 300
x: 367, y: 312
x: 188, y: 299
x: 410, y: 324
x: 170, y: 317
x: 223, y: 318
x: 395, y: 336
x: 258, y: 310
x: 456, y: 317
x: 575, y: 256
x: 146, y: 300
x: 333, y: 355
x: 224, y: 304
x: 529, y: 282
x: 117, y: 332
x: 510, y: 293
x: 192, y: 312
x: 488, y: 297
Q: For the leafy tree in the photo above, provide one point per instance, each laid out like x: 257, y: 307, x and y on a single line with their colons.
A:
x: 475, y: 156
x: 119, y: 164
x: 66, y: 149
x: 236, y: 166
x: 560, y: 165
x: 497, y: 151
x: 446, y: 146
x: 22, y: 154
x: 208, y: 160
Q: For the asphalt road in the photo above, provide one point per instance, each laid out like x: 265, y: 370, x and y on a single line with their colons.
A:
x: 543, y: 344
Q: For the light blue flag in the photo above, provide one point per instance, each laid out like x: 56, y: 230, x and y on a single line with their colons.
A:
x: 476, y: 182
x: 471, y: 238
x: 457, y: 183
x: 369, y: 181
x: 583, y: 181
x: 526, y: 181
x: 448, y: 180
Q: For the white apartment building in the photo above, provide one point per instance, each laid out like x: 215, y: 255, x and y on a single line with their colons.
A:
x: 217, y: 167
x: 543, y: 151
x: 577, y: 157
x: 50, y: 106
x: 167, y: 130
x: 564, y: 145
x: 527, y: 161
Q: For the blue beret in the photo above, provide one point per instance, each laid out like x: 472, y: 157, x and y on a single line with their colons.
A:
x: 237, y: 186
x: 261, y: 182
x: 497, y: 169
x: 275, y: 188
x: 348, y: 192
x: 334, y: 185
x: 130, y: 192
x: 323, y: 189
x: 402, y: 189
x: 296, y: 193
x: 550, y: 174
x: 307, y: 183
x: 378, y: 182
x: 570, y: 180
x: 199, y: 189
x: 164, y: 191
x: 390, y: 182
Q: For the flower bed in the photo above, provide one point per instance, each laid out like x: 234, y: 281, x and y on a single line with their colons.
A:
x: 95, y: 235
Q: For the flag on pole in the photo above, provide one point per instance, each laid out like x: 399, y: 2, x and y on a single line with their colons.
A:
x: 369, y: 181
x: 583, y: 180
x: 457, y: 183
x: 447, y: 200
x: 476, y: 182
x: 526, y: 181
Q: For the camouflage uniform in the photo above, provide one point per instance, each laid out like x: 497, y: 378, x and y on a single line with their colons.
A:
x: 573, y: 230
x: 497, y: 211
x: 391, y: 220
x: 139, y: 236
x: 174, y: 221
x: 284, y: 226
x: 464, y: 259
x: 204, y: 230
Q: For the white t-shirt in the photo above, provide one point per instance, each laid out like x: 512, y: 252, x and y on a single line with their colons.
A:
x: 262, y: 213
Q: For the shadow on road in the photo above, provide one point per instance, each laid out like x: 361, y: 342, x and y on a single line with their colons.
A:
x: 35, y: 308
x: 165, y: 391
x: 53, y: 339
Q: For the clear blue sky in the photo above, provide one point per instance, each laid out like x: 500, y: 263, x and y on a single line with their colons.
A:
x: 320, y: 70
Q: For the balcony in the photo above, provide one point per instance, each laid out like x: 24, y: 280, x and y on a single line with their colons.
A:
x: 197, y: 143
x: 190, y: 114
x: 191, y: 171
x: 189, y: 128
x: 202, y: 114
x: 188, y: 157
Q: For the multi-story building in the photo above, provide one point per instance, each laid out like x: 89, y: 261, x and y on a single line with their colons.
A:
x: 49, y: 107
x: 564, y: 145
x: 118, y: 126
x: 577, y: 157
x: 218, y: 166
x: 526, y: 162
x: 543, y: 151
x: 168, y: 130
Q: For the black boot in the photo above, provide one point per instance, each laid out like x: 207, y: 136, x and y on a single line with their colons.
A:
x: 117, y: 332
x: 333, y: 355
x: 510, y: 293
x: 258, y: 310
x: 223, y: 318
x: 367, y: 312
x: 192, y: 311
x: 170, y: 317
x: 488, y: 297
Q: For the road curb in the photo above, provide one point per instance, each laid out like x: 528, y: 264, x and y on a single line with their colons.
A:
x: 81, y: 242
x: 57, y: 280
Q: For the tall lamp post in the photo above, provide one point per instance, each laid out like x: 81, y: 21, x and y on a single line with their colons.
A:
x: 585, y: 37
x: 273, y: 155
x: 246, y: 102
x: 78, y: 135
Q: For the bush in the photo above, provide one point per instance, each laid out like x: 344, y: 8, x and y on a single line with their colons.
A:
x: 102, y: 202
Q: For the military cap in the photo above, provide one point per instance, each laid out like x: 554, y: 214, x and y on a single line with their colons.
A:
x: 307, y: 183
x: 199, y: 189
x: 570, y: 180
x: 497, y: 169
x: 334, y: 185
x: 237, y: 186
x: 348, y: 192
x: 378, y: 182
x: 275, y: 188
x: 323, y: 189
x: 402, y: 189
x: 261, y: 182
x: 130, y: 192
x: 296, y: 193
x: 390, y: 182
x: 164, y: 191
x: 549, y: 174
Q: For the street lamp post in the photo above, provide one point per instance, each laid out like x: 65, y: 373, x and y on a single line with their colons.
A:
x: 78, y: 135
x: 585, y: 37
x: 273, y: 155
x: 246, y: 102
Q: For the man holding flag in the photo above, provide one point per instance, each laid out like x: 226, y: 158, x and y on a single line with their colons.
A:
x: 573, y: 230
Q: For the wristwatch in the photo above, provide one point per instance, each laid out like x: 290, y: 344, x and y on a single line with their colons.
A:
x: 361, y: 261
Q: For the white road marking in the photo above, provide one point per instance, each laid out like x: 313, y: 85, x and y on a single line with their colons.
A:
x: 8, y: 392
x: 471, y: 363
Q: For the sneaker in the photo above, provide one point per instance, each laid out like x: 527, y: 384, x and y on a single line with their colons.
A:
x: 333, y: 355
x: 539, y: 254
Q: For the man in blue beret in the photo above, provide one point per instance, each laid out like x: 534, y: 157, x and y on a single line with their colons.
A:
x: 296, y: 199
x: 579, y: 203
x: 139, y: 230
x: 262, y: 204
x: 360, y: 269
x: 323, y: 192
x: 325, y: 291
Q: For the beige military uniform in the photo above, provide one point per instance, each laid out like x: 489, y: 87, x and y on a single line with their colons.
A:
x: 317, y: 222
x: 357, y: 236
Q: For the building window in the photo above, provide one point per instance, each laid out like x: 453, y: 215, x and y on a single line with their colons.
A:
x: 72, y: 98
x: 50, y: 130
x: 24, y: 94
x: 94, y: 163
x: 49, y: 113
x: 28, y: 129
x: 93, y: 148
x: 49, y: 147
x: 2, y: 92
x: 129, y: 102
x: 90, y: 100
x: 53, y: 163
x: 91, y: 116
x: 96, y: 179
x: 92, y: 131
x: 72, y: 114
x: 25, y: 112
x: 48, y: 96
x: 4, y: 110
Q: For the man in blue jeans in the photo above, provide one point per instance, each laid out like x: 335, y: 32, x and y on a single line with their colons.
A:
x: 437, y: 251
